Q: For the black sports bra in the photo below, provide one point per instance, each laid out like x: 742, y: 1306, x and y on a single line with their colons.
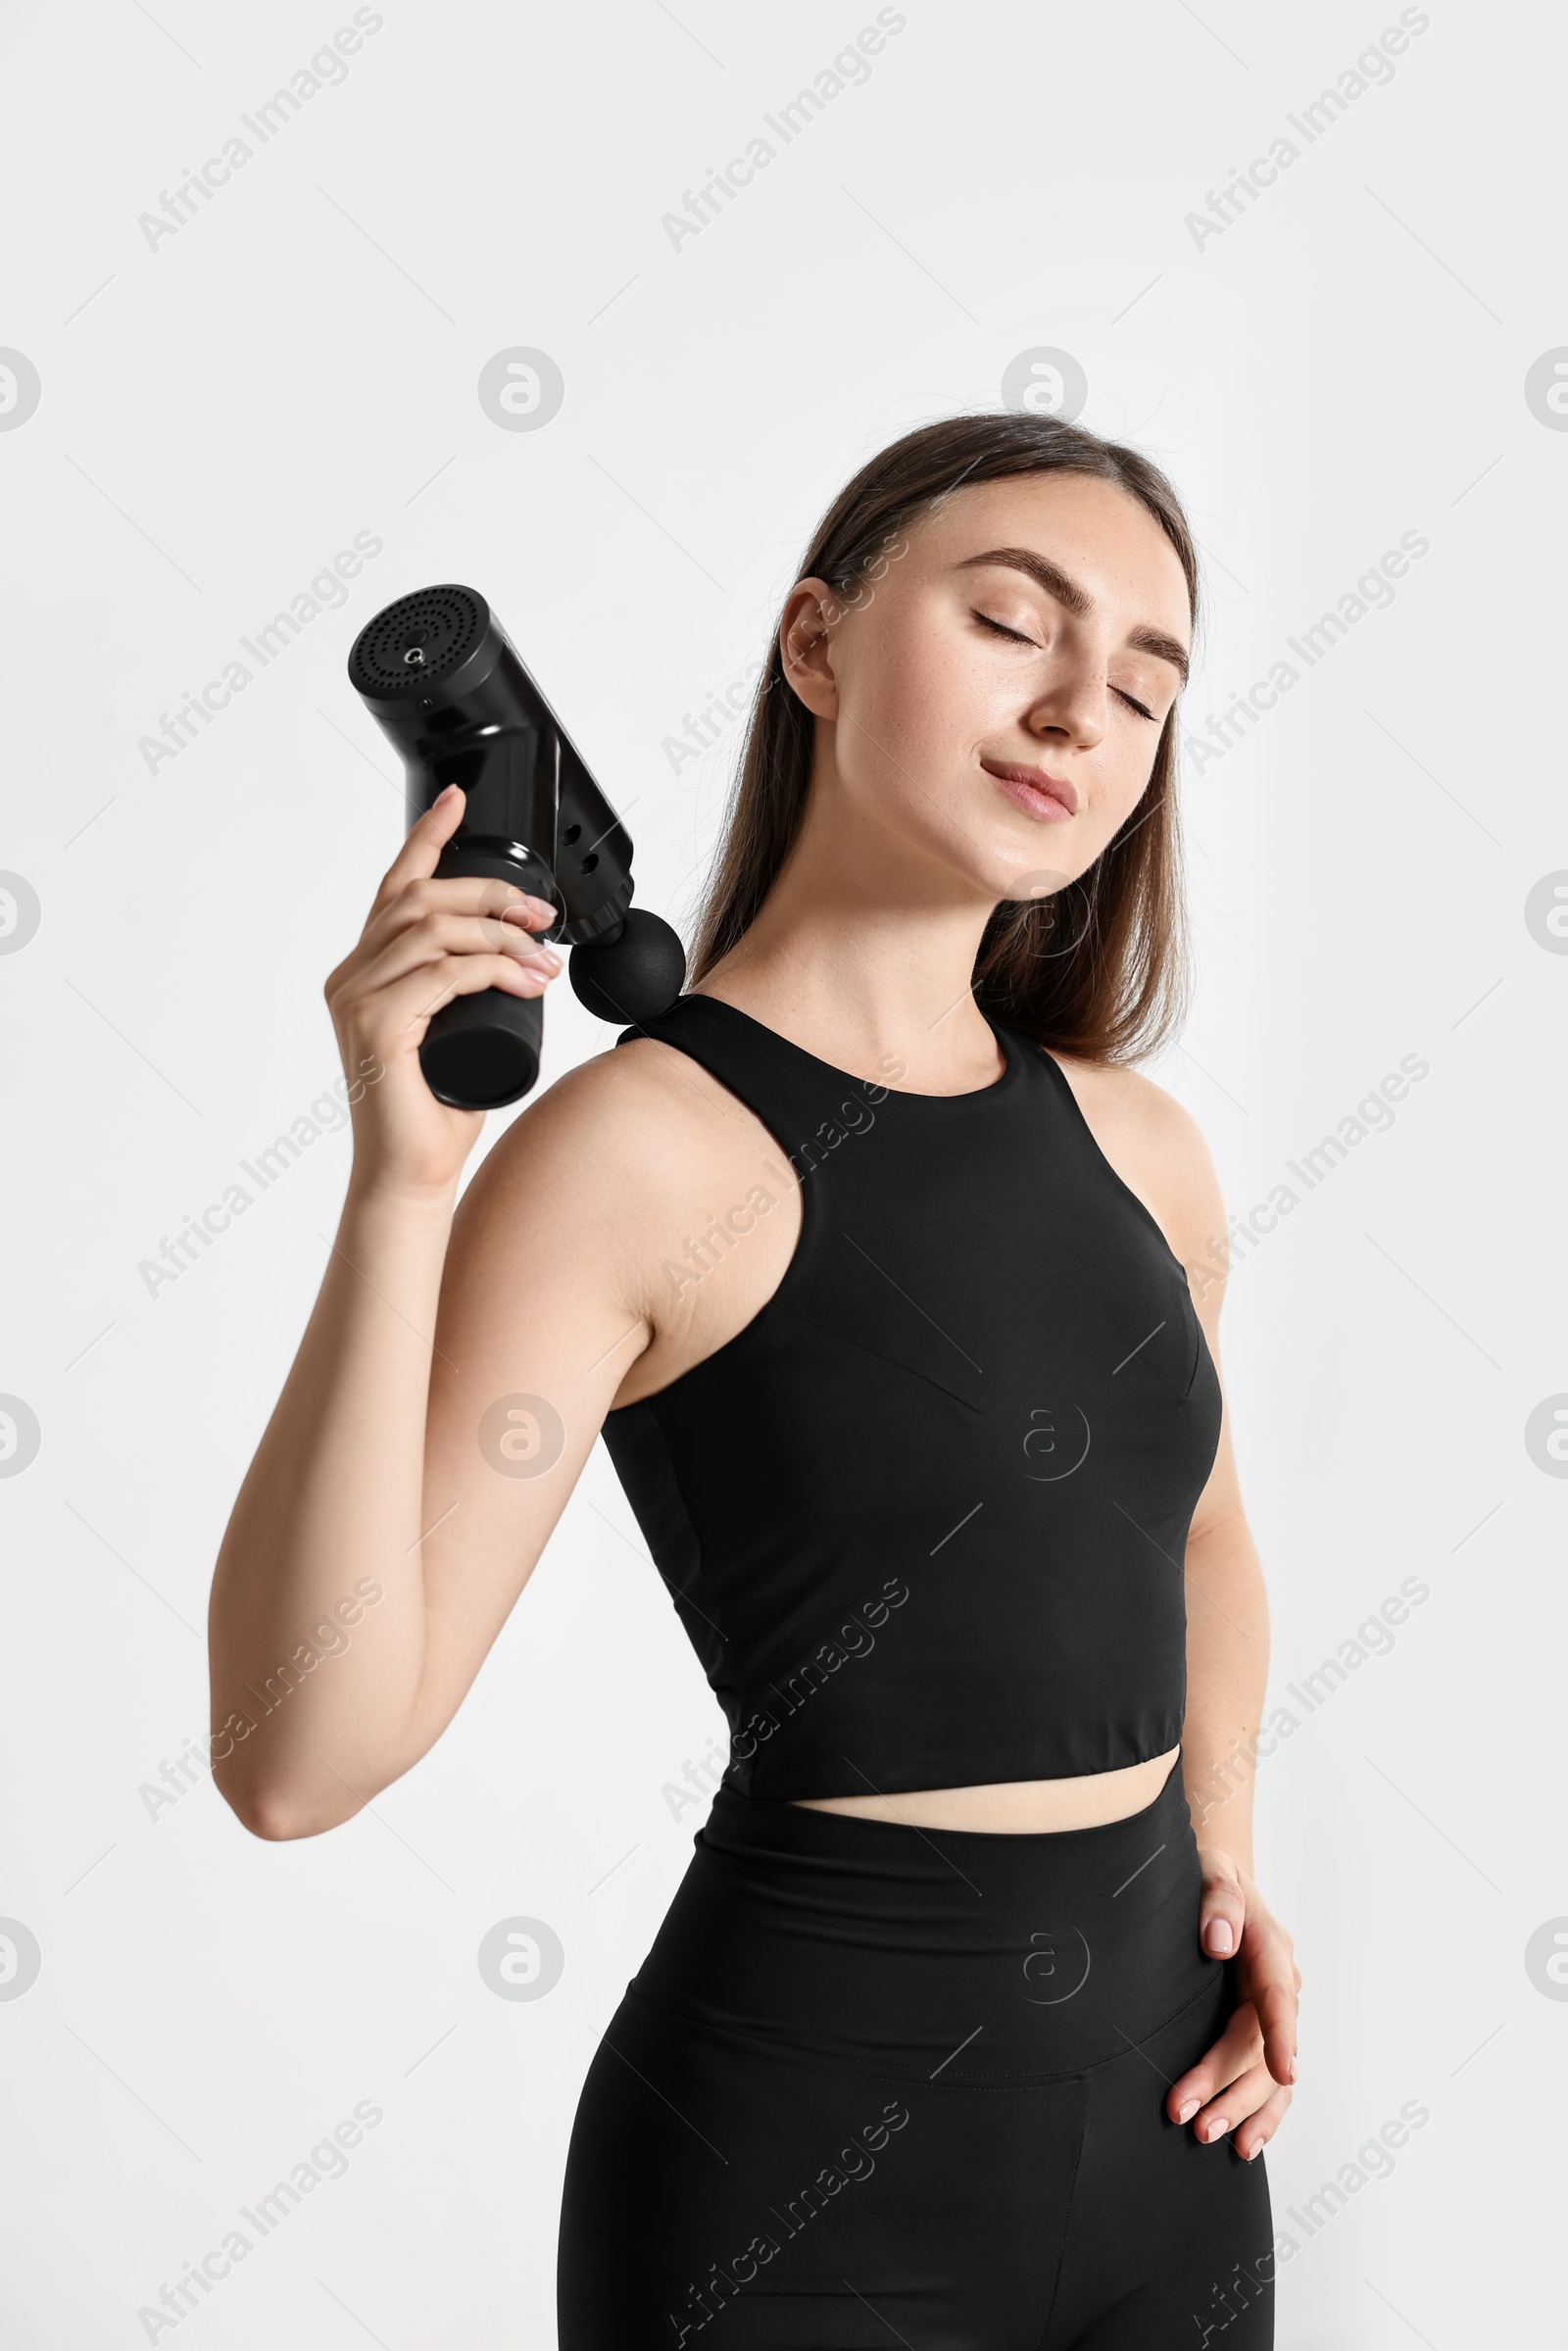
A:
x: 924, y: 1517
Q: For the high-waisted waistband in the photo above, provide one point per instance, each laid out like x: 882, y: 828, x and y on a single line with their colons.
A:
x: 955, y: 1953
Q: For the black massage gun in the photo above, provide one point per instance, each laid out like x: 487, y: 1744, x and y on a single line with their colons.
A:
x: 440, y: 676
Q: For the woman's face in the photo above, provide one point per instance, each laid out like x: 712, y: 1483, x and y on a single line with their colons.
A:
x: 993, y: 702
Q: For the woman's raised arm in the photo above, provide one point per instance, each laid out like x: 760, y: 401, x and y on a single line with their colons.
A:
x: 448, y: 1385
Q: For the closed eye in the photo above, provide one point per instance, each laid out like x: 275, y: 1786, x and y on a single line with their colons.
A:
x: 1018, y: 638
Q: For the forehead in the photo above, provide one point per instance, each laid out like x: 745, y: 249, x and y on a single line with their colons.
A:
x: 1099, y: 533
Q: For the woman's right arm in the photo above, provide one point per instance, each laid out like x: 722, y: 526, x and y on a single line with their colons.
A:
x: 450, y: 1383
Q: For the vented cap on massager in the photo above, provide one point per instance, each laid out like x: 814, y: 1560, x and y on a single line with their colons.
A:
x: 423, y: 640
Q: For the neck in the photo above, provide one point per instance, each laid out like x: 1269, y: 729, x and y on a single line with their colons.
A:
x: 863, y: 955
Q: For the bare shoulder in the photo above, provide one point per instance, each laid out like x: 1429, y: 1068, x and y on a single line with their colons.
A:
x: 617, y: 1127
x: 624, y: 1150
x: 1155, y: 1146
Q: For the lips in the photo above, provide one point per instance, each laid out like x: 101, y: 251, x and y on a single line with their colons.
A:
x: 1034, y: 791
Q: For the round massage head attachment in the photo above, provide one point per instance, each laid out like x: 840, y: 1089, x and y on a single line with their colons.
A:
x: 635, y: 975
x: 407, y: 647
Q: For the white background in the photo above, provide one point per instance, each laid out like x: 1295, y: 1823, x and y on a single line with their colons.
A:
x: 1346, y: 363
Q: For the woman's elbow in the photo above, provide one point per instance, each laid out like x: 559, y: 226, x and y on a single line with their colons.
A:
x: 275, y: 1815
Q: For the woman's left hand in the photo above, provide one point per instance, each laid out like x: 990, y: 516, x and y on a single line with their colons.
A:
x: 1241, y: 2084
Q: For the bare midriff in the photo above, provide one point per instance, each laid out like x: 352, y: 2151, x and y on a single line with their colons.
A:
x: 1013, y: 1806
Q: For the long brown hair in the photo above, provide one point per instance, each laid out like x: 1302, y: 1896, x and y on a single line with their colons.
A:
x: 1101, y: 967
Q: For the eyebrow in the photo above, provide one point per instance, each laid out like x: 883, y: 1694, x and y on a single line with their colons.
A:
x: 1077, y: 600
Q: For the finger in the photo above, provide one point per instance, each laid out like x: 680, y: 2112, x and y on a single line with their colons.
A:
x: 1260, y: 2128
x: 402, y: 1012
x: 1274, y: 1998
x: 1240, y: 2099
x: 454, y: 893
x: 427, y: 839
x: 1222, y: 1910
x: 469, y: 894
x: 1272, y: 1982
x: 534, y: 914
x: 1238, y: 2047
x: 437, y: 935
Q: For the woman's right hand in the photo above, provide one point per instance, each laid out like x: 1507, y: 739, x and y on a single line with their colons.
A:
x: 424, y: 942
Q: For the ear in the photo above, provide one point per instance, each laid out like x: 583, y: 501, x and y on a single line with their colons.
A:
x: 805, y: 644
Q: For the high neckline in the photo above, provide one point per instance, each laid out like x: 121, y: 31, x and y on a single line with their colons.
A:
x: 1013, y: 1057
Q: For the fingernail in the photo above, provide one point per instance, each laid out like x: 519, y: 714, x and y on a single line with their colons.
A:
x: 444, y: 794
x: 1218, y: 2127
x: 1257, y: 2151
x: 1220, y: 1937
x: 1289, y: 2067
x: 1189, y: 2110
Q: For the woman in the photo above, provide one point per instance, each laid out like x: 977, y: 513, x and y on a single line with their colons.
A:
x: 867, y: 1260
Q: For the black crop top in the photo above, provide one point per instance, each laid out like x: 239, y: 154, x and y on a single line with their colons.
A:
x: 924, y: 1517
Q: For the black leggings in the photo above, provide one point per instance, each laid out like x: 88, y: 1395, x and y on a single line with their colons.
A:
x: 878, y: 2084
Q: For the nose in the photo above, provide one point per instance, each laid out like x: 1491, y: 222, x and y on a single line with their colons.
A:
x: 1073, y: 709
